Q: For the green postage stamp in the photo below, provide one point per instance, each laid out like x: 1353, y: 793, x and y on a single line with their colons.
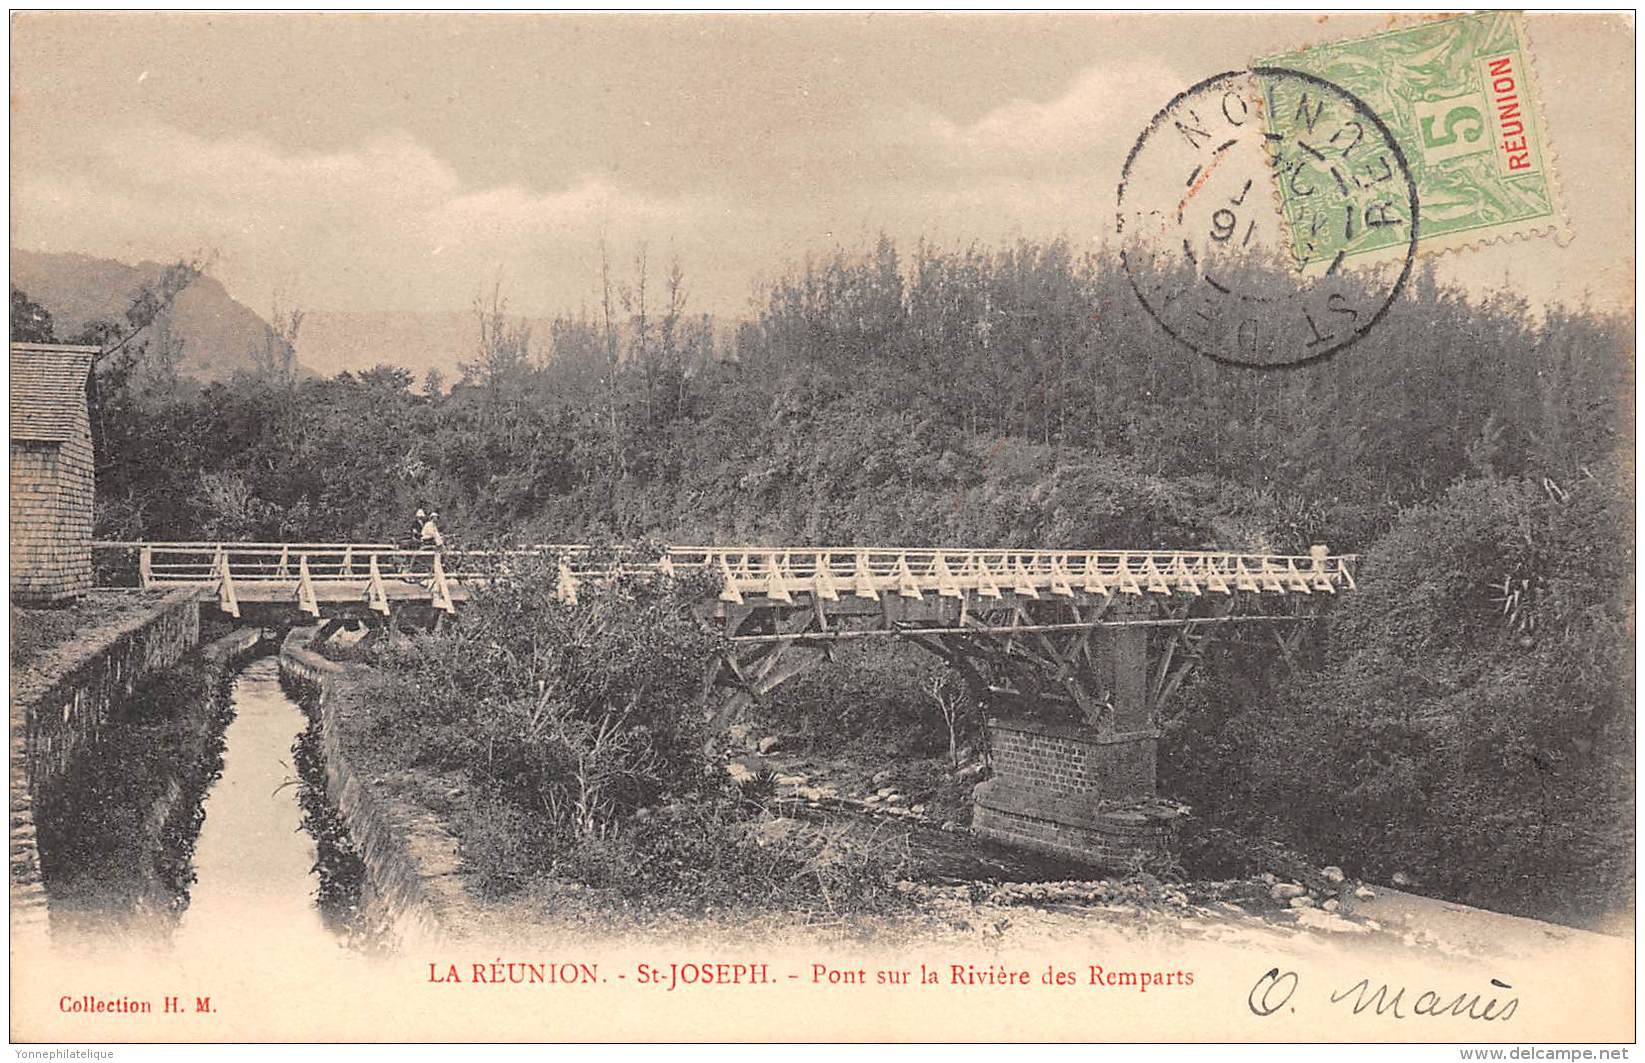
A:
x: 1460, y: 99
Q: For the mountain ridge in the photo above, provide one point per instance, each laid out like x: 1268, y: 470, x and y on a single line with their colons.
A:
x: 218, y: 333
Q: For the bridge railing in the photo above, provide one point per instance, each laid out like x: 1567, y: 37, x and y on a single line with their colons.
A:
x: 161, y: 564
x: 311, y: 570
x: 870, y: 571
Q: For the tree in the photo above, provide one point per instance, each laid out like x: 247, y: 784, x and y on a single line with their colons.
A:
x: 275, y: 359
x: 1473, y: 726
x: 640, y: 349
x: 503, y: 350
x: 157, y: 377
x: 608, y: 331
x: 947, y: 691
x: 30, y: 322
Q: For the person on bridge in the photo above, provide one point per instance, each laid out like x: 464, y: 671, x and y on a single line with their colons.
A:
x: 410, y: 541
x: 430, y: 533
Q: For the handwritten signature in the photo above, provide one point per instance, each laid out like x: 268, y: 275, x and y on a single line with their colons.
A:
x: 1274, y: 991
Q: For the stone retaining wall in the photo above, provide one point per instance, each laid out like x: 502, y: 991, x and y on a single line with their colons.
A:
x: 415, y: 883
x: 49, y: 727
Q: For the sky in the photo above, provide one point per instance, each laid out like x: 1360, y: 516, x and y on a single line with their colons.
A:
x: 361, y: 162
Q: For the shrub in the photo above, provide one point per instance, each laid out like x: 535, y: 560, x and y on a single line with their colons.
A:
x: 581, y: 729
x: 1472, y: 725
x: 716, y: 854
x: 578, y: 713
x: 876, y: 692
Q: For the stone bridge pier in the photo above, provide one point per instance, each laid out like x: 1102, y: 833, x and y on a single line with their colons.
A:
x: 1082, y: 784
x: 1083, y: 789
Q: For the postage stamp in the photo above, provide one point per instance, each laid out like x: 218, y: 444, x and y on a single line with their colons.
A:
x: 1460, y: 96
x: 1271, y: 166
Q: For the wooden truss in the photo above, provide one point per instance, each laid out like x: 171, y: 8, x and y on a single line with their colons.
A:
x: 1106, y: 661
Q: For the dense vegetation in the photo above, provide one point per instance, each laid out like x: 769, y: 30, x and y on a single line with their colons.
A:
x: 579, y: 733
x: 1470, y: 721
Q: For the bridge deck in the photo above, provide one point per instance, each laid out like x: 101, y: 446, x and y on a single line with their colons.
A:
x: 377, y: 575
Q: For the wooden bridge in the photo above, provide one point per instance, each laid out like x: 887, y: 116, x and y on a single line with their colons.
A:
x: 1019, y: 624
x: 375, y: 575
x: 1074, y: 652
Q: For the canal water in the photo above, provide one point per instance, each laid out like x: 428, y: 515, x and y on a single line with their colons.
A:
x: 240, y: 863
x: 254, y: 862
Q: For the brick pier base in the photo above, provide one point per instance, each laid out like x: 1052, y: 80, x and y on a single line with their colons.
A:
x: 1068, y: 791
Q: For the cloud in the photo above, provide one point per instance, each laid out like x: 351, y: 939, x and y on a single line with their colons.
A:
x: 1102, y: 104
x: 380, y: 223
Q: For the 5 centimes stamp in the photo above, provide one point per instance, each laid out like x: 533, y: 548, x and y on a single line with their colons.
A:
x: 1460, y: 96
x: 1215, y: 191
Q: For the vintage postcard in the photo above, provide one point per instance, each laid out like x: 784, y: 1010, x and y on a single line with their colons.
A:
x: 1037, y: 527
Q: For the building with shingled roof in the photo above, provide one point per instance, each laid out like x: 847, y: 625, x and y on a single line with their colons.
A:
x: 53, y: 476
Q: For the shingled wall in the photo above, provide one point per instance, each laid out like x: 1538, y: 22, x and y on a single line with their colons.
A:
x: 53, y: 475
x: 51, y: 507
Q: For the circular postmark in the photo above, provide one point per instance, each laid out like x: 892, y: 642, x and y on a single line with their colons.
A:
x: 1267, y: 217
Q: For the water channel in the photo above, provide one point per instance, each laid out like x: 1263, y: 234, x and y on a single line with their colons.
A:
x: 254, y: 862
x: 251, y: 868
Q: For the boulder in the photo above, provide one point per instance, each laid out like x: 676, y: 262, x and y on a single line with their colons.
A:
x: 1331, y: 905
x: 1303, y: 901
x: 1316, y: 919
x: 882, y: 777
x: 1365, y: 893
x: 1285, y: 891
x: 1332, y: 874
x: 768, y: 743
